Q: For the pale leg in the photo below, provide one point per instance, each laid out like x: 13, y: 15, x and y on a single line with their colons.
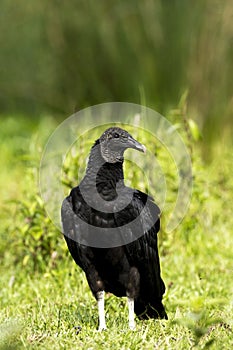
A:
x: 131, y: 313
x: 100, y: 300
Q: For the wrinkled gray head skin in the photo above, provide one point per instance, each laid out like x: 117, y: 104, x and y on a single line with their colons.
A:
x: 114, y: 141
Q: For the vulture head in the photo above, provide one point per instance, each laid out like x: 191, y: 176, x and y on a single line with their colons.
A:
x: 114, y: 141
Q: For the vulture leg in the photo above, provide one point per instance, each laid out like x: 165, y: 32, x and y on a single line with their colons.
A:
x: 100, y: 301
x: 131, y: 313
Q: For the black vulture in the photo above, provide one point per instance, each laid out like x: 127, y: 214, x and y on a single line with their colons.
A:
x: 111, y: 231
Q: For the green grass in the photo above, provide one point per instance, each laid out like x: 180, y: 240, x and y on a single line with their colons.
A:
x: 44, y: 295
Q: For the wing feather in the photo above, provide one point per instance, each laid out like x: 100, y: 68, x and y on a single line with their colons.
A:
x: 143, y: 251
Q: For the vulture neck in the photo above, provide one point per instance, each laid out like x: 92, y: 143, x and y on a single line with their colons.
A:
x: 106, y: 177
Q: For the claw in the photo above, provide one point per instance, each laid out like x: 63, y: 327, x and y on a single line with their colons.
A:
x: 78, y: 329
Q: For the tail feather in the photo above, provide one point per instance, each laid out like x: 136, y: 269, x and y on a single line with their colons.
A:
x: 145, y: 311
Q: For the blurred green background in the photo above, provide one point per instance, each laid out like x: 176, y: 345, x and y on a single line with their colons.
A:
x: 58, y: 57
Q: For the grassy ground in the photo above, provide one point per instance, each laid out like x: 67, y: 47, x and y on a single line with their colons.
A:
x: 44, y: 295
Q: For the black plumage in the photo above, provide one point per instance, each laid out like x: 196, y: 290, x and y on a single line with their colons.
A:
x: 111, y: 231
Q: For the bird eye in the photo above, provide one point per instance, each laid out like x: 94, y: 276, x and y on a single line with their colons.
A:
x: 116, y: 135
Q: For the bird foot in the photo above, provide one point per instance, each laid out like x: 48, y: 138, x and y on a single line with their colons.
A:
x: 132, y: 326
x: 102, y: 328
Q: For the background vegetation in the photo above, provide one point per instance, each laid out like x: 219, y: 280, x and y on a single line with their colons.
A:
x: 62, y: 56
x: 56, y: 58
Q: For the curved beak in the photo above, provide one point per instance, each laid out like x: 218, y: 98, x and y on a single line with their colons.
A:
x: 132, y: 143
